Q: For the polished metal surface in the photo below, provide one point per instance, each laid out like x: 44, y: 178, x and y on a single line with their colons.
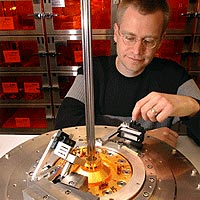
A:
x: 88, y: 75
x: 159, y: 171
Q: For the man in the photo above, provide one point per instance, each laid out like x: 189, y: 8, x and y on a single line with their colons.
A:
x: 135, y: 84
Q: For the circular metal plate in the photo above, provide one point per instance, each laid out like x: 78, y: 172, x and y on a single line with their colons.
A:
x: 168, y: 174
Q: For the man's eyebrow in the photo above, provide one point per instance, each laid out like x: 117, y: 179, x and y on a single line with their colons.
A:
x: 133, y: 34
x: 129, y: 33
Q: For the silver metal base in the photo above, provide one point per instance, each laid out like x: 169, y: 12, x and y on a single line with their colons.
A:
x: 162, y: 172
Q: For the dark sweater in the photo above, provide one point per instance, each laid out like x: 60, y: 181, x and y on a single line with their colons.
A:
x: 115, y: 95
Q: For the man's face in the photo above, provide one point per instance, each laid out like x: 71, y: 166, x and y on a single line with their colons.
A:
x: 137, y: 37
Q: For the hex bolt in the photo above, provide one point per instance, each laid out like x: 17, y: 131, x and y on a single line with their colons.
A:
x: 7, y: 156
x: 194, y: 172
x: 71, y: 183
x: 141, y: 155
x: 46, y: 197
x: 145, y: 194
x: 173, y: 151
x: 67, y: 192
x: 151, y: 179
x: 149, y: 166
x: 30, y: 173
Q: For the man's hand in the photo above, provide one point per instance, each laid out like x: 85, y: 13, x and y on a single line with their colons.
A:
x: 159, y: 106
x: 165, y: 134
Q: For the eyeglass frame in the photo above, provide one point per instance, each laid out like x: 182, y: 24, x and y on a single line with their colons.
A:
x: 133, y: 42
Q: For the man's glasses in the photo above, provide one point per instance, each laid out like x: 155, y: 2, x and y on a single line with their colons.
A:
x: 130, y: 40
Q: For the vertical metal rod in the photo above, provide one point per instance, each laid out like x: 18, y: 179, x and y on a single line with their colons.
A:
x: 88, y: 74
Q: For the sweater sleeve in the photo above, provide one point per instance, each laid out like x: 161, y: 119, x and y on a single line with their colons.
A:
x: 189, y: 88
x: 193, y: 126
x: 72, y: 109
x: 71, y: 113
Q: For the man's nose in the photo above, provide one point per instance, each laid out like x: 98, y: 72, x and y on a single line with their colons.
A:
x: 138, y: 47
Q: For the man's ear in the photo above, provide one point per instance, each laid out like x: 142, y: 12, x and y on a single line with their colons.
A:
x: 116, y: 28
x: 161, y: 39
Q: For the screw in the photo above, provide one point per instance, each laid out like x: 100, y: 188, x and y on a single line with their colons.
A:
x: 71, y: 183
x: 149, y: 166
x: 151, y: 180
x: 173, y: 151
x: 145, y: 194
x: 7, y: 156
x: 46, y: 197
x: 68, y: 192
x: 194, y: 172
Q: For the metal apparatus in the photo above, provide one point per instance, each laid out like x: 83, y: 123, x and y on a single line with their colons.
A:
x: 87, y: 65
x: 97, y: 162
x: 121, y: 171
x: 66, y: 162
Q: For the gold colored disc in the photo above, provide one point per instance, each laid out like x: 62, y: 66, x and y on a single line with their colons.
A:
x: 107, y: 173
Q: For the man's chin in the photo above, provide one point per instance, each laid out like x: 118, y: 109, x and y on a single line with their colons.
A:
x: 136, y: 69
